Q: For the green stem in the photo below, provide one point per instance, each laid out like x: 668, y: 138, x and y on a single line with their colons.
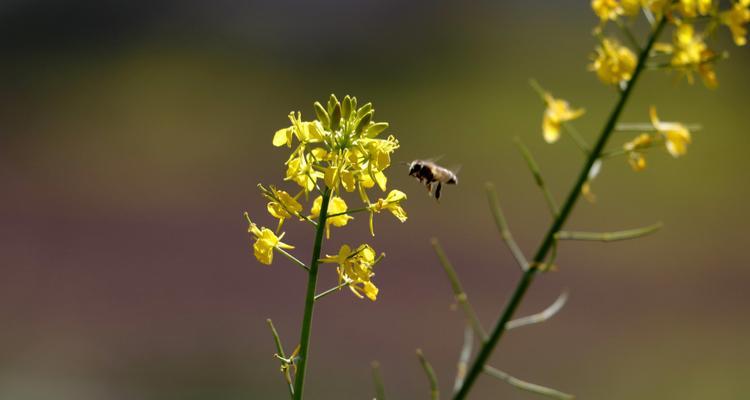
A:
x: 549, y: 239
x: 312, y: 277
x: 431, y: 377
x: 280, y: 350
x: 377, y: 380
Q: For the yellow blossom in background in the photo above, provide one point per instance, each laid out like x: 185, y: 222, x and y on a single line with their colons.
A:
x: 355, y: 268
x: 694, y: 8
x: 265, y: 242
x: 636, y: 158
x: 282, y: 205
x: 691, y: 54
x: 676, y: 135
x: 392, y: 203
x: 736, y: 18
x: 613, y: 62
x: 336, y: 209
x: 606, y: 10
x: 631, y: 7
x: 557, y: 112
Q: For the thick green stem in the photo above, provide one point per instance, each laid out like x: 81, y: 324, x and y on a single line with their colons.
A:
x: 549, y: 239
x: 304, y: 341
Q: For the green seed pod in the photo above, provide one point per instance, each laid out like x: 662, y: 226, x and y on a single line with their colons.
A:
x: 322, y: 115
x: 364, y: 121
x: 346, y: 107
x: 364, y: 110
x: 336, y: 117
x: 376, y: 129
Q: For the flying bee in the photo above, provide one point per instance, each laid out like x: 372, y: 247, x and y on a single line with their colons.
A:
x: 429, y: 173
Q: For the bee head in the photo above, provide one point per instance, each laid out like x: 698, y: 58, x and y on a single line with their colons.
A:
x: 414, y: 168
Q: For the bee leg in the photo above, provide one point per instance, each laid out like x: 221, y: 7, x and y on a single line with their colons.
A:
x: 429, y: 188
x: 437, y: 190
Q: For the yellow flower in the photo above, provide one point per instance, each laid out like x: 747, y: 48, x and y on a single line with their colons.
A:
x: 336, y: 209
x: 694, y: 8
x: 282, y: 205
x: 302, y: 172
x: 689, y: 47
x: 736, y: 19
x: 606, y: 9
x: 676, y: 135
x: 637, y: 161
x: 265, y: 242
x: 631, y: 7
x: 392, y: 203
x: 304, y: 131
x: 613, y: 63
x: 355, y: 268
x: 641, y: 141
x: 557, y: 112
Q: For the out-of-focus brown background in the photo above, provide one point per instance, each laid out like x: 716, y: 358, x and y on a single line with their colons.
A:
x: 132, y: 137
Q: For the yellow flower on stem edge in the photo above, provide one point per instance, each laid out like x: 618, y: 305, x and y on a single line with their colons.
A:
x: 336, y: 212
x: 675, y: 134
x: 557, y: 112
x: 282, y: 205
x: 736, y: 19
x: 355, y: 268
x: 265, y: 242
x: 613, y: 62
x: 392, y: 203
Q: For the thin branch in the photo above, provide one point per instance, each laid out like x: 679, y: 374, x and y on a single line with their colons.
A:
x: 431, y: 377
x: 463, y: 358
x: 609, y: 236
x: 527, y: 386
x: 534, y: 168
x: 484, y: 353
x: 458, y: 290
x: 293, y: 258
x: 502, y: 226
x: 546, y: 314
x: 354, y: 211
x: 628, y: 34
x: 282, y: 355
x: 577, y: 137
x: 331, y: 290
x: 647, y: 127
x: 377, y: 381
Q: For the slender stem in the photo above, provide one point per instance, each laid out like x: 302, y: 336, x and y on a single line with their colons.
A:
x: 557, y: 224
x: 280, y: 350
x: 458, y: 290
x: 534, y: 167
x: 431, y: 377
x: 304, y: 341
x: 577, y: 137
x: 527, y: 386
x: 648, y: 127
x: 356, y: 210
x: 463, y: 358
x: 293, y: 258
x: 609, y: 236
x: 540, y: 317
x: 377, y: 380
x: 502, y: 226
x: 331, y: 290
x: 628, y: 34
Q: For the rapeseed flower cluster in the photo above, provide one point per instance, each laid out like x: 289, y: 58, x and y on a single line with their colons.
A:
x: 342, y: 150
x: 614, y: 61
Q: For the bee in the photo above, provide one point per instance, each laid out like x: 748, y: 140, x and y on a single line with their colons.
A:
x: 429, y: 173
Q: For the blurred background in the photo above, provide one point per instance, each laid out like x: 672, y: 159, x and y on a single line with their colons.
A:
x: 133, y: 134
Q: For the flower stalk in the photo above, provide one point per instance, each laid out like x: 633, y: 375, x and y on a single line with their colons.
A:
x: 312, y: 278
x: 478, y: 366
